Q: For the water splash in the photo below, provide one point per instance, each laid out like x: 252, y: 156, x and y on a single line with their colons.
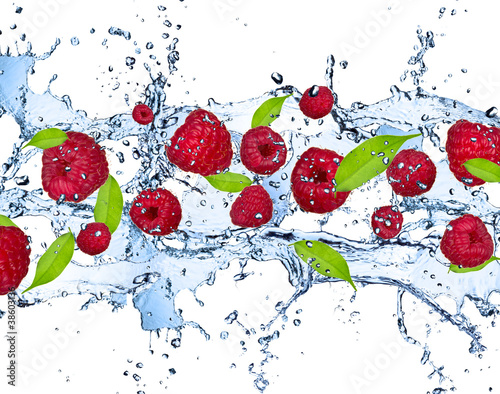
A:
x: 155, y: 270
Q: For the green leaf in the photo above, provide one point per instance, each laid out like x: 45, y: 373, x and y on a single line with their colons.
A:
x: 368, y: 160
x: 229, y: 182
x: 5, y: 221
x: 458, y: 270
x: 484, y: 169
x: 324, y: 259
x: 109, y: 205
x: 54, y: 260
x: 268, y: 111
x: 47, y: 138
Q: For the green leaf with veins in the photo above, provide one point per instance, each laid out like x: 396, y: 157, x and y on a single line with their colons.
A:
x: 229, y: 182
x: 324, y: 259
x: 47, y: 138
x: 54, y: 260
x: 268, y: 111
x: 483, y: 169
x: 109, y: 205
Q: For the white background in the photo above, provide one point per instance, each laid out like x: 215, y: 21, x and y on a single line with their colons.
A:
x: 228, y: 50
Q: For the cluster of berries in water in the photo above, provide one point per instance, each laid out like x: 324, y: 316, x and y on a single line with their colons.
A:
x: 77, y: 168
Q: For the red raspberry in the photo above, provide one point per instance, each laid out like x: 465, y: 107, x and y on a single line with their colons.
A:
x: 252, y: 208
x: 316, y: 102
x: 14, y: 258
x: 468, y: 141
x: 411, y: 173
x: 387, y: 222
x: 156, y: 212
x: 143, y: 114
x: 466, y: 242
x: 262, y: 151
x: 201, y: 145
x: 312, y: 181
x: 76, y: 168
x: 94, y: 238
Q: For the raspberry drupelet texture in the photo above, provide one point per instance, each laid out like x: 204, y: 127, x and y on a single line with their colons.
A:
x: 411, y: 173
x: 75, y: 169
x: 466, y: 242
x: 252, y: 208
x: 94, y: 238
x: 468, y: 141
x: 312, y: 181
x: 14, y: 258
x: 201, y: 145
x: 262, y: 150
x: 317, y: 102
x: 387, y: 221
x: 142, y: 114
x: 156, y: 212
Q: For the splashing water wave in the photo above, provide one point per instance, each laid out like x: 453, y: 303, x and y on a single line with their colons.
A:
x: 155, y: 270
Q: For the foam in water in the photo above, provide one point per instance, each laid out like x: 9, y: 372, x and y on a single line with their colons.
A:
x: 155, y: 270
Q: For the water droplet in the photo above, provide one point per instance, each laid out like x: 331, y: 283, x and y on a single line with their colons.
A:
x: 385, y: 160
x: 492, y: 112
x: 309, y: 244
x: 313, y: 92
x: 67, y: 168
x: 97, y: 233
x: 343, y: 64
x: 258, y: 215
x: 75, y: 41
x: 277, y: 78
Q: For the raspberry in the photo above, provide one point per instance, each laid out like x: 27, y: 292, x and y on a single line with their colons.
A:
x: 262, y: 150
x: 387, y: 222
x: 156, y: 212
x: 312, y: 181
x: 75, y: 169
x: 411, y: 173
x: 201, y: 145
x: 94, y: 238
x: 466, y: 242
x: 14, y: 258
x: 252, y: 208
x: 468, y: 141
x: 316, y: 102
x: 143, y: 114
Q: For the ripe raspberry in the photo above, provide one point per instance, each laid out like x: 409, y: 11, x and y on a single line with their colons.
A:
x: 252, y: 208
x: 312, y: 181
x: 156, y: 212
x: 411, y: 173
x: 316, y: 102
x: 75, y: 169
x: 468, y: 141
x: 94, y: 238
x: 14, y: 258
x: 262, y: 150
x: 387, y: 222
x: 201, y: 145
x: 143, y: 114
x: 466, y: 242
